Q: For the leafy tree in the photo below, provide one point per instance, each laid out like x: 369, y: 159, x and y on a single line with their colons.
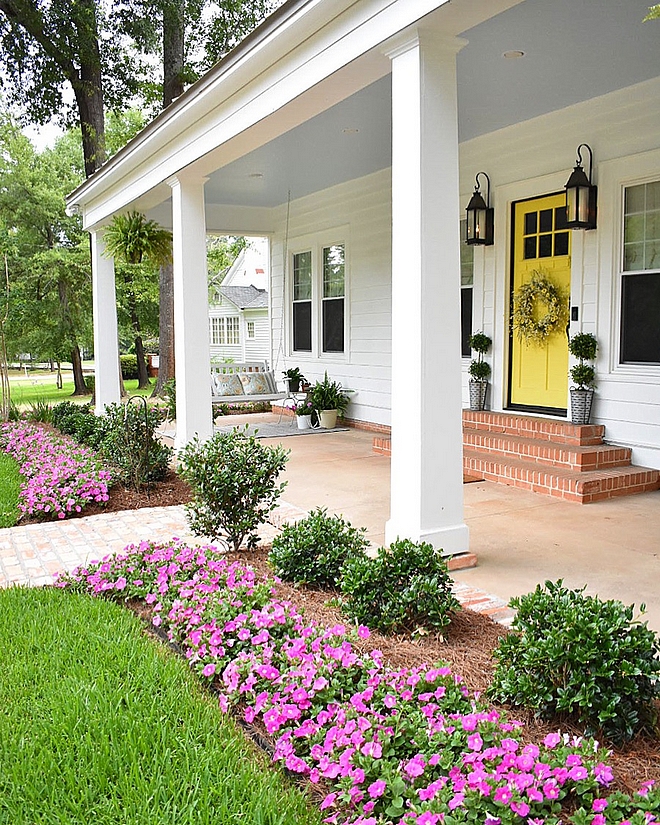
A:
x: 48, y: 44
x: 48, y: 258
x: 222, y: 251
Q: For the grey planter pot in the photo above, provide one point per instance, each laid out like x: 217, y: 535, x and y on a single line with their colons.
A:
x: 581, y: 401
x: 478, y: 391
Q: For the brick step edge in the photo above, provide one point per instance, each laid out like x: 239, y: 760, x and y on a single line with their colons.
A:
x: 558, y: 431
x: 580, y: 458
x: 585, y: 487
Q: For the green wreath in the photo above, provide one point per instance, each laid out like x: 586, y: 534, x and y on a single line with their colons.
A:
x: 530, y: 326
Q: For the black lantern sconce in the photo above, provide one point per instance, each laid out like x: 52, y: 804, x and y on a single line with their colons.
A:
x: 581, y: 195
x: 480, y: 219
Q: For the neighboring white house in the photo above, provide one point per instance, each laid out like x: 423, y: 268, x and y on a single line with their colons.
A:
x: 239, y: 328
x: 350, y: 132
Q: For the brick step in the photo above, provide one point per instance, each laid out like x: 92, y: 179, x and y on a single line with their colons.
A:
x: 543, y: 429
x: 552, y: 454
x: 583, y: 487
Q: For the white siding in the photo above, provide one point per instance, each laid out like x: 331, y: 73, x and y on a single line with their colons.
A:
x: 246, y: 350
x: 360, y: 212
x: 535, y: 158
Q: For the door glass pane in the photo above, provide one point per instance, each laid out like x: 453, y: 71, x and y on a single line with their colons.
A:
x: 545, y: 220
x: 530, y: 247
x: 561, y: 243
x: 560, y: 218
x: 530, y: 223
x: 545, y: 246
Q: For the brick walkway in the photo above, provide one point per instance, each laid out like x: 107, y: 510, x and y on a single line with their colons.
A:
x: 32, y: 553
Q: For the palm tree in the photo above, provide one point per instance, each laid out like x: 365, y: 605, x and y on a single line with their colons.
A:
x: 134, y: 240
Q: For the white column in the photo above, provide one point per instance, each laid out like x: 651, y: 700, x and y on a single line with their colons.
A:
x: 427, y: 474
x: 191, y: 310
x: 106, y: 343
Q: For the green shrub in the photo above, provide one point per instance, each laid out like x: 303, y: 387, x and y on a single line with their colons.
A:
x: 577, y: 655
x: 314, y: 550
x: 233, y: 479
x: 406, y: 586
x: 79, y: 422
x: 128, y: 441
x: 129, y: 366
x: 39, y: 411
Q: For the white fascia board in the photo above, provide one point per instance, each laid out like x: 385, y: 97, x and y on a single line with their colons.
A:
x: 311, y: 47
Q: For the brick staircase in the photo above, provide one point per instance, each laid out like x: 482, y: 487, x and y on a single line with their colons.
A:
x: 549, y: 456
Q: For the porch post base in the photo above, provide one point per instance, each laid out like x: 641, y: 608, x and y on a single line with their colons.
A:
x: 449, y: 540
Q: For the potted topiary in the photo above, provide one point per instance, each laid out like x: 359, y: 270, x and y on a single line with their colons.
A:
x: 329, y: 400
x: 584, y: 347
x: 294, y: 379
x: 479, y: 370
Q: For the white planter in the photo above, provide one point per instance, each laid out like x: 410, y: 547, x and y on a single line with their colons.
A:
x: 304, y: 422
x: 328, y: 419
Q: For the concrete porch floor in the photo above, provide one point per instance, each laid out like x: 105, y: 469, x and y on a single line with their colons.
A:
x: 520, y: 538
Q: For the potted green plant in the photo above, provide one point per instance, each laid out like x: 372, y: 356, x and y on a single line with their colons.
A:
x: 329, y: 401
x: 479, y: 370
x: 584, y: 347
x: 294, y: 378
x: 304, y: 411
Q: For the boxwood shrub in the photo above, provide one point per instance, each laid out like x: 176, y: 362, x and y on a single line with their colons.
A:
x: 578, y: 656
x: 404, y: 587
x: 314, y: 550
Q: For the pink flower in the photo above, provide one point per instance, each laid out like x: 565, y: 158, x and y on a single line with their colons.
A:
x: 209, y: 669
x: 475, y: 742
x: 552, y: 740
x: 363, y: 632
x: 599, y: 805
x: 377, y: 788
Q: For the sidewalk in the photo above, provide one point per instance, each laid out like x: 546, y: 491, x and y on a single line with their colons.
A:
x: 520, y: 538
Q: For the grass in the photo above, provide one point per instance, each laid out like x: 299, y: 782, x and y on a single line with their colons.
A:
x: 24, y: 393
x: 10, y: 483
x: 100, y: 724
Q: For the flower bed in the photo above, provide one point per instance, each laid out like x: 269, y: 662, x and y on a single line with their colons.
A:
x: 60, y: 476
x: 410, y: 745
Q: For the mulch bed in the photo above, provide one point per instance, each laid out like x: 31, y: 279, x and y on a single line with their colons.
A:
x: 467, y: 644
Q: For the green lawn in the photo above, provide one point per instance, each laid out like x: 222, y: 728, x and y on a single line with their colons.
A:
x: 25, y: 393
x: 10, y: 483
x: 98, y: 723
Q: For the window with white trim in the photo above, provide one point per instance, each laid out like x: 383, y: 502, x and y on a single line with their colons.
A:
x: 640, y: 275
x: 467, y: 284
x: 318, y: 299
x: 225, y: 331
x: 250, y: 329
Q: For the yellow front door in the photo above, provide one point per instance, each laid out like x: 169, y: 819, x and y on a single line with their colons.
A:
x: 541, y: 242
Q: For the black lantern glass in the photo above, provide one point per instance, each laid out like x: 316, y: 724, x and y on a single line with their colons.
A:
x: 581, y: 195
x: 480, y: 220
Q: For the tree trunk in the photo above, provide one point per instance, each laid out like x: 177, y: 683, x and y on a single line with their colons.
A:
x: 174, y: 25
x: 166, y: 329
x: 79, y: 387
x: 143, y: 374
x: 173, y: 85
x: 88, y: 89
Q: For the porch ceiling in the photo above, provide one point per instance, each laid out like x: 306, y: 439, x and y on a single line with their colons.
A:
x: 574, y: 50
